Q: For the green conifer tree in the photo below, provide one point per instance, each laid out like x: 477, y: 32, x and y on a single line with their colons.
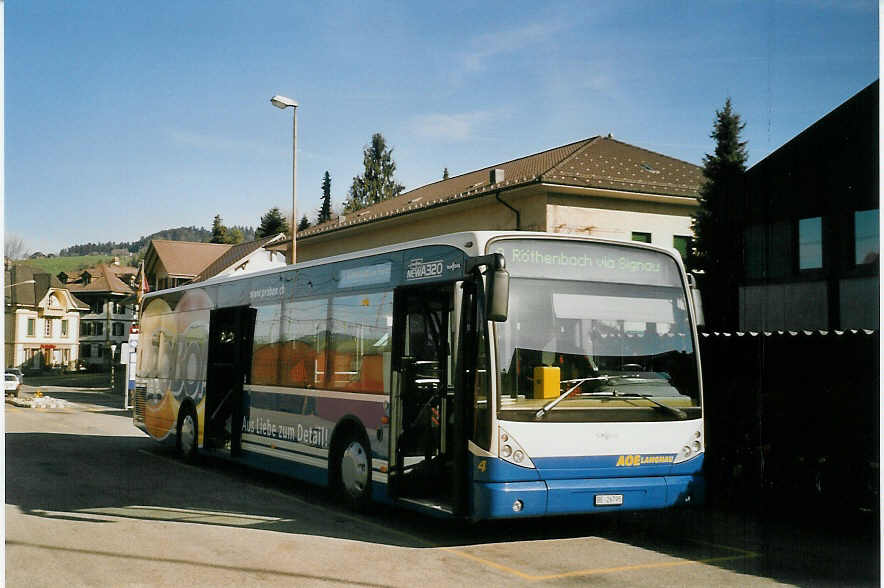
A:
x: 219, y: 231
x: 325, y: 209
x: 716, y: 253
x: 304, y: 223
x: 376, y: 183
x: 272, y: 223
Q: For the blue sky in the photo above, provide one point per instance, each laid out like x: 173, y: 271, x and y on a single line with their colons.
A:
x: 125, y: 118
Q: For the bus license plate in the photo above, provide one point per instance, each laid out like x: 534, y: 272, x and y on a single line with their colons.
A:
x: 608, y: 499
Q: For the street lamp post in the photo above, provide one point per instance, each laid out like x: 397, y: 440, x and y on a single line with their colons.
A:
x: 21, y: 283
x: 283, y: 103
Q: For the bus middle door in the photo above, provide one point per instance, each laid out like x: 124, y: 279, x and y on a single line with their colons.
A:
x: 421, y: 455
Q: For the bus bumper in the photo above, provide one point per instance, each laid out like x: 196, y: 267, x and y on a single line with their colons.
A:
x: 578, y: 496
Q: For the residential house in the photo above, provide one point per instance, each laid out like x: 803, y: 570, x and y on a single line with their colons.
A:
x: 810, y: 226
x: 108, y: 290
x: 168, y: 264
x: 42, y: 320
x: 598, y: 186
x: 174, y: 263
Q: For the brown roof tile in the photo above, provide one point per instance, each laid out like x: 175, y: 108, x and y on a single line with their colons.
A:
x: 105, y: 278
x: 597, y: 162
x: 38, y: 284
x: 186, y: 258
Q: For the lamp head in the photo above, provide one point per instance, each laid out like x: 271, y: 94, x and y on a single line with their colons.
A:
x: 283, y: 102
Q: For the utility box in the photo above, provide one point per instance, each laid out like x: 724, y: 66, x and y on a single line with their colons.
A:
x: 547, y: 382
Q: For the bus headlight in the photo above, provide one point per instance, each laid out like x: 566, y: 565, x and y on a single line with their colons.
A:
x: 511, y: 451
x: 692, y: 449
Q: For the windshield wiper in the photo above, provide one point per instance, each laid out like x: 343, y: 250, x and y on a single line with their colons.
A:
x: 545, y: 410
x: 555, y: 401
x: 682, y: 415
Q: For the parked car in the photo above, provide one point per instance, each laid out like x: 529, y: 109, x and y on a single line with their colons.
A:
x: 11, y: 384
x: 18, y: 372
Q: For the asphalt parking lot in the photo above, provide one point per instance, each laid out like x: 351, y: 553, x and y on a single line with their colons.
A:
x: 91, y: 501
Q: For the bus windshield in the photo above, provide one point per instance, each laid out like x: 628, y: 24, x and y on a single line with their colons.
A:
x: 612, y: 319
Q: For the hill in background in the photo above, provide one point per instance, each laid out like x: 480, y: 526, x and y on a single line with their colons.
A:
x: 109, y: 248
x: 69, y: 264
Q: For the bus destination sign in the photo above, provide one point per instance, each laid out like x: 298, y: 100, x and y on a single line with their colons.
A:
x: 562, y: 259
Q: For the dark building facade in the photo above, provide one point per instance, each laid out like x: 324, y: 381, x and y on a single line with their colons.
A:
x: 810, y: 226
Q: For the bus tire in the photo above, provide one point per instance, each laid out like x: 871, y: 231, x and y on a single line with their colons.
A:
x: 353, y: 470
x: 187, y: 433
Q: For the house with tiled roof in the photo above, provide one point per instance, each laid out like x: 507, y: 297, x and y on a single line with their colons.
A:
x: 598, y: 186
x: 42, y: 320
x: 174, y: 263
x: 108, y: 290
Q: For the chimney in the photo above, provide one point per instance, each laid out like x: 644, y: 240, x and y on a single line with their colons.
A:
x: 41, y: 284
x: 497, y: 176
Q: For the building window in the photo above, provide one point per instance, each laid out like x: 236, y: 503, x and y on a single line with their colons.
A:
x: 47, y: 327
x: 641, y: 237
x: 118, y: 329
x: 99, y: 329
x: 96, y: 306
x: 865, y: 236
x: 810, y: 243
x: 99, y: 350
x: 681, y: 244
x: 32, y: 327
x: 64, y: 328
x: 85, y: 350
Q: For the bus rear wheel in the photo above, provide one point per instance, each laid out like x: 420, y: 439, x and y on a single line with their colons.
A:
x: 354, y: 472
x: 187, y: 434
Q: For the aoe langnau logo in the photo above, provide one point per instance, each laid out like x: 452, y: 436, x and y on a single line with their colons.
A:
x: 418, y: 269
x: 640, y: 460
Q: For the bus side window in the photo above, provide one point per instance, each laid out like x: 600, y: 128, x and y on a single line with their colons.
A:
x: 303, y: 349
x: 265, y: 346
x: 361, y: 335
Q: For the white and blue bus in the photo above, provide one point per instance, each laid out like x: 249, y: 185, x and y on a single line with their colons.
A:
x: 479, y: 374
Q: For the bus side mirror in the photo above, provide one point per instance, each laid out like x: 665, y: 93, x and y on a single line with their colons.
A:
x: 498, y: 296
x: 696, y: 300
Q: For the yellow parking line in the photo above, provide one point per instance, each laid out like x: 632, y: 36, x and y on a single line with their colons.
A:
x: 741, y: 554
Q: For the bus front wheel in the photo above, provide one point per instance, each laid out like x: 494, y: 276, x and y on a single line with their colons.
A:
x: 354, y: 471
x: 187, y: 434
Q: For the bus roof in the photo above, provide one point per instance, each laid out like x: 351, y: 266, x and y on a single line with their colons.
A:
x: 471, y: 243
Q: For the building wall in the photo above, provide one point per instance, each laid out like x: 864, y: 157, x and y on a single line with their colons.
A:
x: 859, y: 303
x: 99, y: 344
x: 539, y: 210
x: 20, y: 345
x: 618, y: 224
x: 782, y: 307
x: 798, y: 275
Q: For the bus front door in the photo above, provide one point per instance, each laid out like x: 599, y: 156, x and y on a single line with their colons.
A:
x: 423, y: 445
x: 228, y: 368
